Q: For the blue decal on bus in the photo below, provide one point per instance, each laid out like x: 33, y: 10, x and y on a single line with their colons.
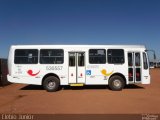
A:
x: 88, y: 72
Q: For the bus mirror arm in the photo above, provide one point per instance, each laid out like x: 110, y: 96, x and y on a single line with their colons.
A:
x: 154, y: 54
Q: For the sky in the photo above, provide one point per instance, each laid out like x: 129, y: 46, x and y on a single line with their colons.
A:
x: 80, y: 22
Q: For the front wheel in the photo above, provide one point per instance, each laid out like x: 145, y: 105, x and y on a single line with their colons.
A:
x: 51, y: 84
x: 116, y: 83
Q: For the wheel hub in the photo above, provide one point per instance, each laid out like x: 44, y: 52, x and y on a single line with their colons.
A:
x: 117, y: 83
x: 51, y: 84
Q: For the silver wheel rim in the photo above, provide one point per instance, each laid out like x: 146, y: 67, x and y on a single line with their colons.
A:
x: 117, y: 83
x: 51, y: 84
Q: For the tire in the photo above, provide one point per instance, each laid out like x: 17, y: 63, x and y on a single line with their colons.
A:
x: 51, y: 84
x: 116, y: 83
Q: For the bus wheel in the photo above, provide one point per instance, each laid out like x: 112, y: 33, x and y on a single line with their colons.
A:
x: 116, y: 83
x: 51, y: 84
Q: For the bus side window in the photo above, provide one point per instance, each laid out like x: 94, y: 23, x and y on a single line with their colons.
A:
x: 97, y: 56
x: 26, y: 56
x: 115, y: 56
x: 51, y: 56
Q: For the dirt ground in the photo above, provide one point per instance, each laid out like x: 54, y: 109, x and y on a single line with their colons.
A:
x: 134, y: 99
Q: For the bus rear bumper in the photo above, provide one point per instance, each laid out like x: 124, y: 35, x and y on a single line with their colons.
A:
x: 10, y: 79
x: 24, y: 80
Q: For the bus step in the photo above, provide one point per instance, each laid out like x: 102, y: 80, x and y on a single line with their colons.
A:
x: 77, y: 84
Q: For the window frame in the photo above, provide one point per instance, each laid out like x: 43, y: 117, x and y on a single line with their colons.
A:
x: 50, y: 63
x: 37, y: 61
x: 81, y: 58
x: 114, y: 62
x: 97, y: 49
x: 138, y: 60
x: 147, y: 62
x: 70, y: 64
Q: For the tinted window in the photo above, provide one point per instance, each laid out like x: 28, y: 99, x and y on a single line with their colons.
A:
x: 115, y: 56
x: 97, y: 56
x: 26, y: 56
x: 145, y: 63
x: 137, y: 59
x: 80, y: 59
x: 130, y: 59
x: 72, y: 59
x: 51, y: 56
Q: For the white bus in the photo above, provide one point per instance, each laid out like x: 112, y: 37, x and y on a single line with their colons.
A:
x: 78, y: 65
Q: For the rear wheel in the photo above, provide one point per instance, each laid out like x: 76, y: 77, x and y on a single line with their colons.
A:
x: 116, y: 83
x: 51, y: 84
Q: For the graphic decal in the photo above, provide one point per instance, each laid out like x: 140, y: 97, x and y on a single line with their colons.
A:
x: 88, y: 72
x: 104, y: 72
x: 30, y: 72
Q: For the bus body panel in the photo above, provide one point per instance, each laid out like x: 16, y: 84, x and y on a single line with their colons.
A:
x: 90, y: 74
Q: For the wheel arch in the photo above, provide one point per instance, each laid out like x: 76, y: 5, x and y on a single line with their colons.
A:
x: 49, y: 74
x: 119, y: 74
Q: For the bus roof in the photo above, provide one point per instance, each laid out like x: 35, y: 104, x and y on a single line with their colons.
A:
x: 84, y: 46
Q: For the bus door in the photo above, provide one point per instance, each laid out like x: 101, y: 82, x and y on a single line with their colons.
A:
x: 77, y: 67
x: 134, y: 67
